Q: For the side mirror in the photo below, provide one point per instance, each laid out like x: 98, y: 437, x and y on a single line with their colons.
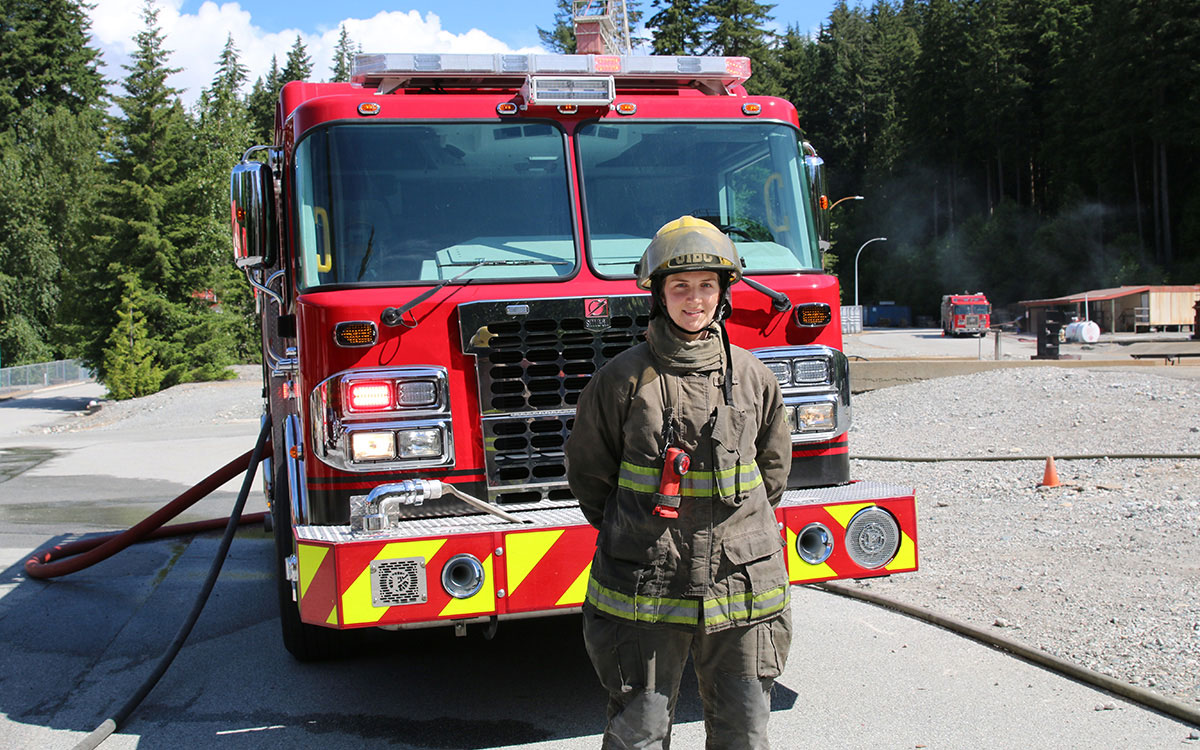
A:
x: 818, y: 197
x: 252, y: 213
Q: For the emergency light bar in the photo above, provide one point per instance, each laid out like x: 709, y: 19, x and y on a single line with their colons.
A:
x: 578, y: 90
x: 391, y: 71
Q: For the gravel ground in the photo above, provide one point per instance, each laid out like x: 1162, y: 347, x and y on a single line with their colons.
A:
x: 221, y: 402
x: 1103, y: 570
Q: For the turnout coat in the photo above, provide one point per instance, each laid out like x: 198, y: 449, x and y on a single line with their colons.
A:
x: 720, y: 564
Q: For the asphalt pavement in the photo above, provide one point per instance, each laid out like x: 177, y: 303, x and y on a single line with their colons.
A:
x: 858, y: 676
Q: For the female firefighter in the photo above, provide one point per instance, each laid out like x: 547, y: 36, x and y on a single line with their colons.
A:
x: 679, y: 453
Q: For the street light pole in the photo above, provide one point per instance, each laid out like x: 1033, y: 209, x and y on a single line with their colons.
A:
x: 868, y: 242
x: 847, y: 198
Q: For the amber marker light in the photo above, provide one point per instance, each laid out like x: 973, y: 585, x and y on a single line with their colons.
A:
x: 813, y: 315
x: 354, y: 333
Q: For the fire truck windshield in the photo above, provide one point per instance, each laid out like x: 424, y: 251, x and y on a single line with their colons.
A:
x: 384, y: 203
x: 748, y: 178
x: 417, y: 202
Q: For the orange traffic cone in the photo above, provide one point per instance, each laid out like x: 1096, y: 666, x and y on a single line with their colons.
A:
x: 1050, y: 477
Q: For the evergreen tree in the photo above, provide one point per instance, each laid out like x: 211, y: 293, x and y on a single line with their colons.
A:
x: 49, y: 177
x: 738, y: 28
x: 561, y: 36
x: 50, y: 97
x: 224, y: 135
x: 129, y: 361
x: 677, y: 27
x: 343, y: 58
x: 153, y: 227
x: 298, y: 66
x: 261, y: 104
x: 45, y: 57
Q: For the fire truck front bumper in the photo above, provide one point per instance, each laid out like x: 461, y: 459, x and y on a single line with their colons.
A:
x: 447, y: 571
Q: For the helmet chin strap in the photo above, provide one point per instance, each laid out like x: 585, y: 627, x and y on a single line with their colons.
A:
x: 724, y: 308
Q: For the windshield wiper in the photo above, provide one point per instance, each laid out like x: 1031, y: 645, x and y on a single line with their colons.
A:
x: 779, y: 300
x: 394, y: 316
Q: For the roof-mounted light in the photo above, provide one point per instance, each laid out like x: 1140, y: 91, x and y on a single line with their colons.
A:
x: 578, y: 91
x: 388, y: 72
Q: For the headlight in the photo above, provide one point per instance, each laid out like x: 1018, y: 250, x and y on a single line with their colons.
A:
x: 817, y: 417
x: 372, y: 446
x: 416, y: 393
x: 815, y: 381
x: 781, y: 369
x: 801, y: 372
x: 382, y: 418
x: 425, y: 443
x: 810, y: 371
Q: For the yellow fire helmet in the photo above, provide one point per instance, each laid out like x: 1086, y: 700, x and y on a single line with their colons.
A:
x: 688, y: 244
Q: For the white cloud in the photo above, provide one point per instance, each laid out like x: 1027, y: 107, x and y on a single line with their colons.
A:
x: 196, y: 40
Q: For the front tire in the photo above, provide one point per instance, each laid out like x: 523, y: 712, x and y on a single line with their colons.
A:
x: 305, y: 642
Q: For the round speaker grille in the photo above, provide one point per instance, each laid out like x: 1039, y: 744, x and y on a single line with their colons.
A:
x: 872, y: 537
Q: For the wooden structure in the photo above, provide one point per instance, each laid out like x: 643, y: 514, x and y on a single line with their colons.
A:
x: 1126, y: 309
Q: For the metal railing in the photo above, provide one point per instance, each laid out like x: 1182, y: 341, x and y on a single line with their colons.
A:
x: 42, y: 374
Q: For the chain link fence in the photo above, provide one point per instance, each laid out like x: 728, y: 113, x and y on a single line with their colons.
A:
x: 42, y: 374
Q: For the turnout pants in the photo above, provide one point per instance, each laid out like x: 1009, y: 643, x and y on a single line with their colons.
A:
x: 641, y: 666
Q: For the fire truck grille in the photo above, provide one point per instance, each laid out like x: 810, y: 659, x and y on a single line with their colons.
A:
x: 533, y: 360
x: 397, y: 582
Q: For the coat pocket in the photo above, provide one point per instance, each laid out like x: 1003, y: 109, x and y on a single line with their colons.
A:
x: 732, y: 456
x: 761, y: 555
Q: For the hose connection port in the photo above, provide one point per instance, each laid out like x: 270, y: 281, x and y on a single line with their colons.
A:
x: 462, y: 576
x: 814, y: 543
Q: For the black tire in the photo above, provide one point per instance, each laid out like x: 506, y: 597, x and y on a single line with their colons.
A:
x: 305, y: 642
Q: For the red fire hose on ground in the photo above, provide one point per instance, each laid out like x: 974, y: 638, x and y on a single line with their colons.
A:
x: 74, y: 556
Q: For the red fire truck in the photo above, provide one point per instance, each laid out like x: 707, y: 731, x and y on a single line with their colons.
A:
x: 966, y: 314
x: 443, y: 252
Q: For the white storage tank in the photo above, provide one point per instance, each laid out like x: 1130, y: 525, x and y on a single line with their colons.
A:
x: 1083, y: 332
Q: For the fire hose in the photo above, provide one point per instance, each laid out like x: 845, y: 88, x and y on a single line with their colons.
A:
x: 1139, y: 695
x: 1135, y: 693
x: 75, y: 556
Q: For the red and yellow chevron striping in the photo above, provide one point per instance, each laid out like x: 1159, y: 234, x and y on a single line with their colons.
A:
x: 836, y: 518
x: 548, y: 569
x: 364, y: 583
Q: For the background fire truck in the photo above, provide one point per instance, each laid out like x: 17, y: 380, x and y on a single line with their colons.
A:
x: 966, y: 314
x: 444, y: 253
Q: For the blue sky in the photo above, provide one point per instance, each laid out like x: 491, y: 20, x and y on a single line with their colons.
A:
x: 196, y: 30
x: 514, y: 22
